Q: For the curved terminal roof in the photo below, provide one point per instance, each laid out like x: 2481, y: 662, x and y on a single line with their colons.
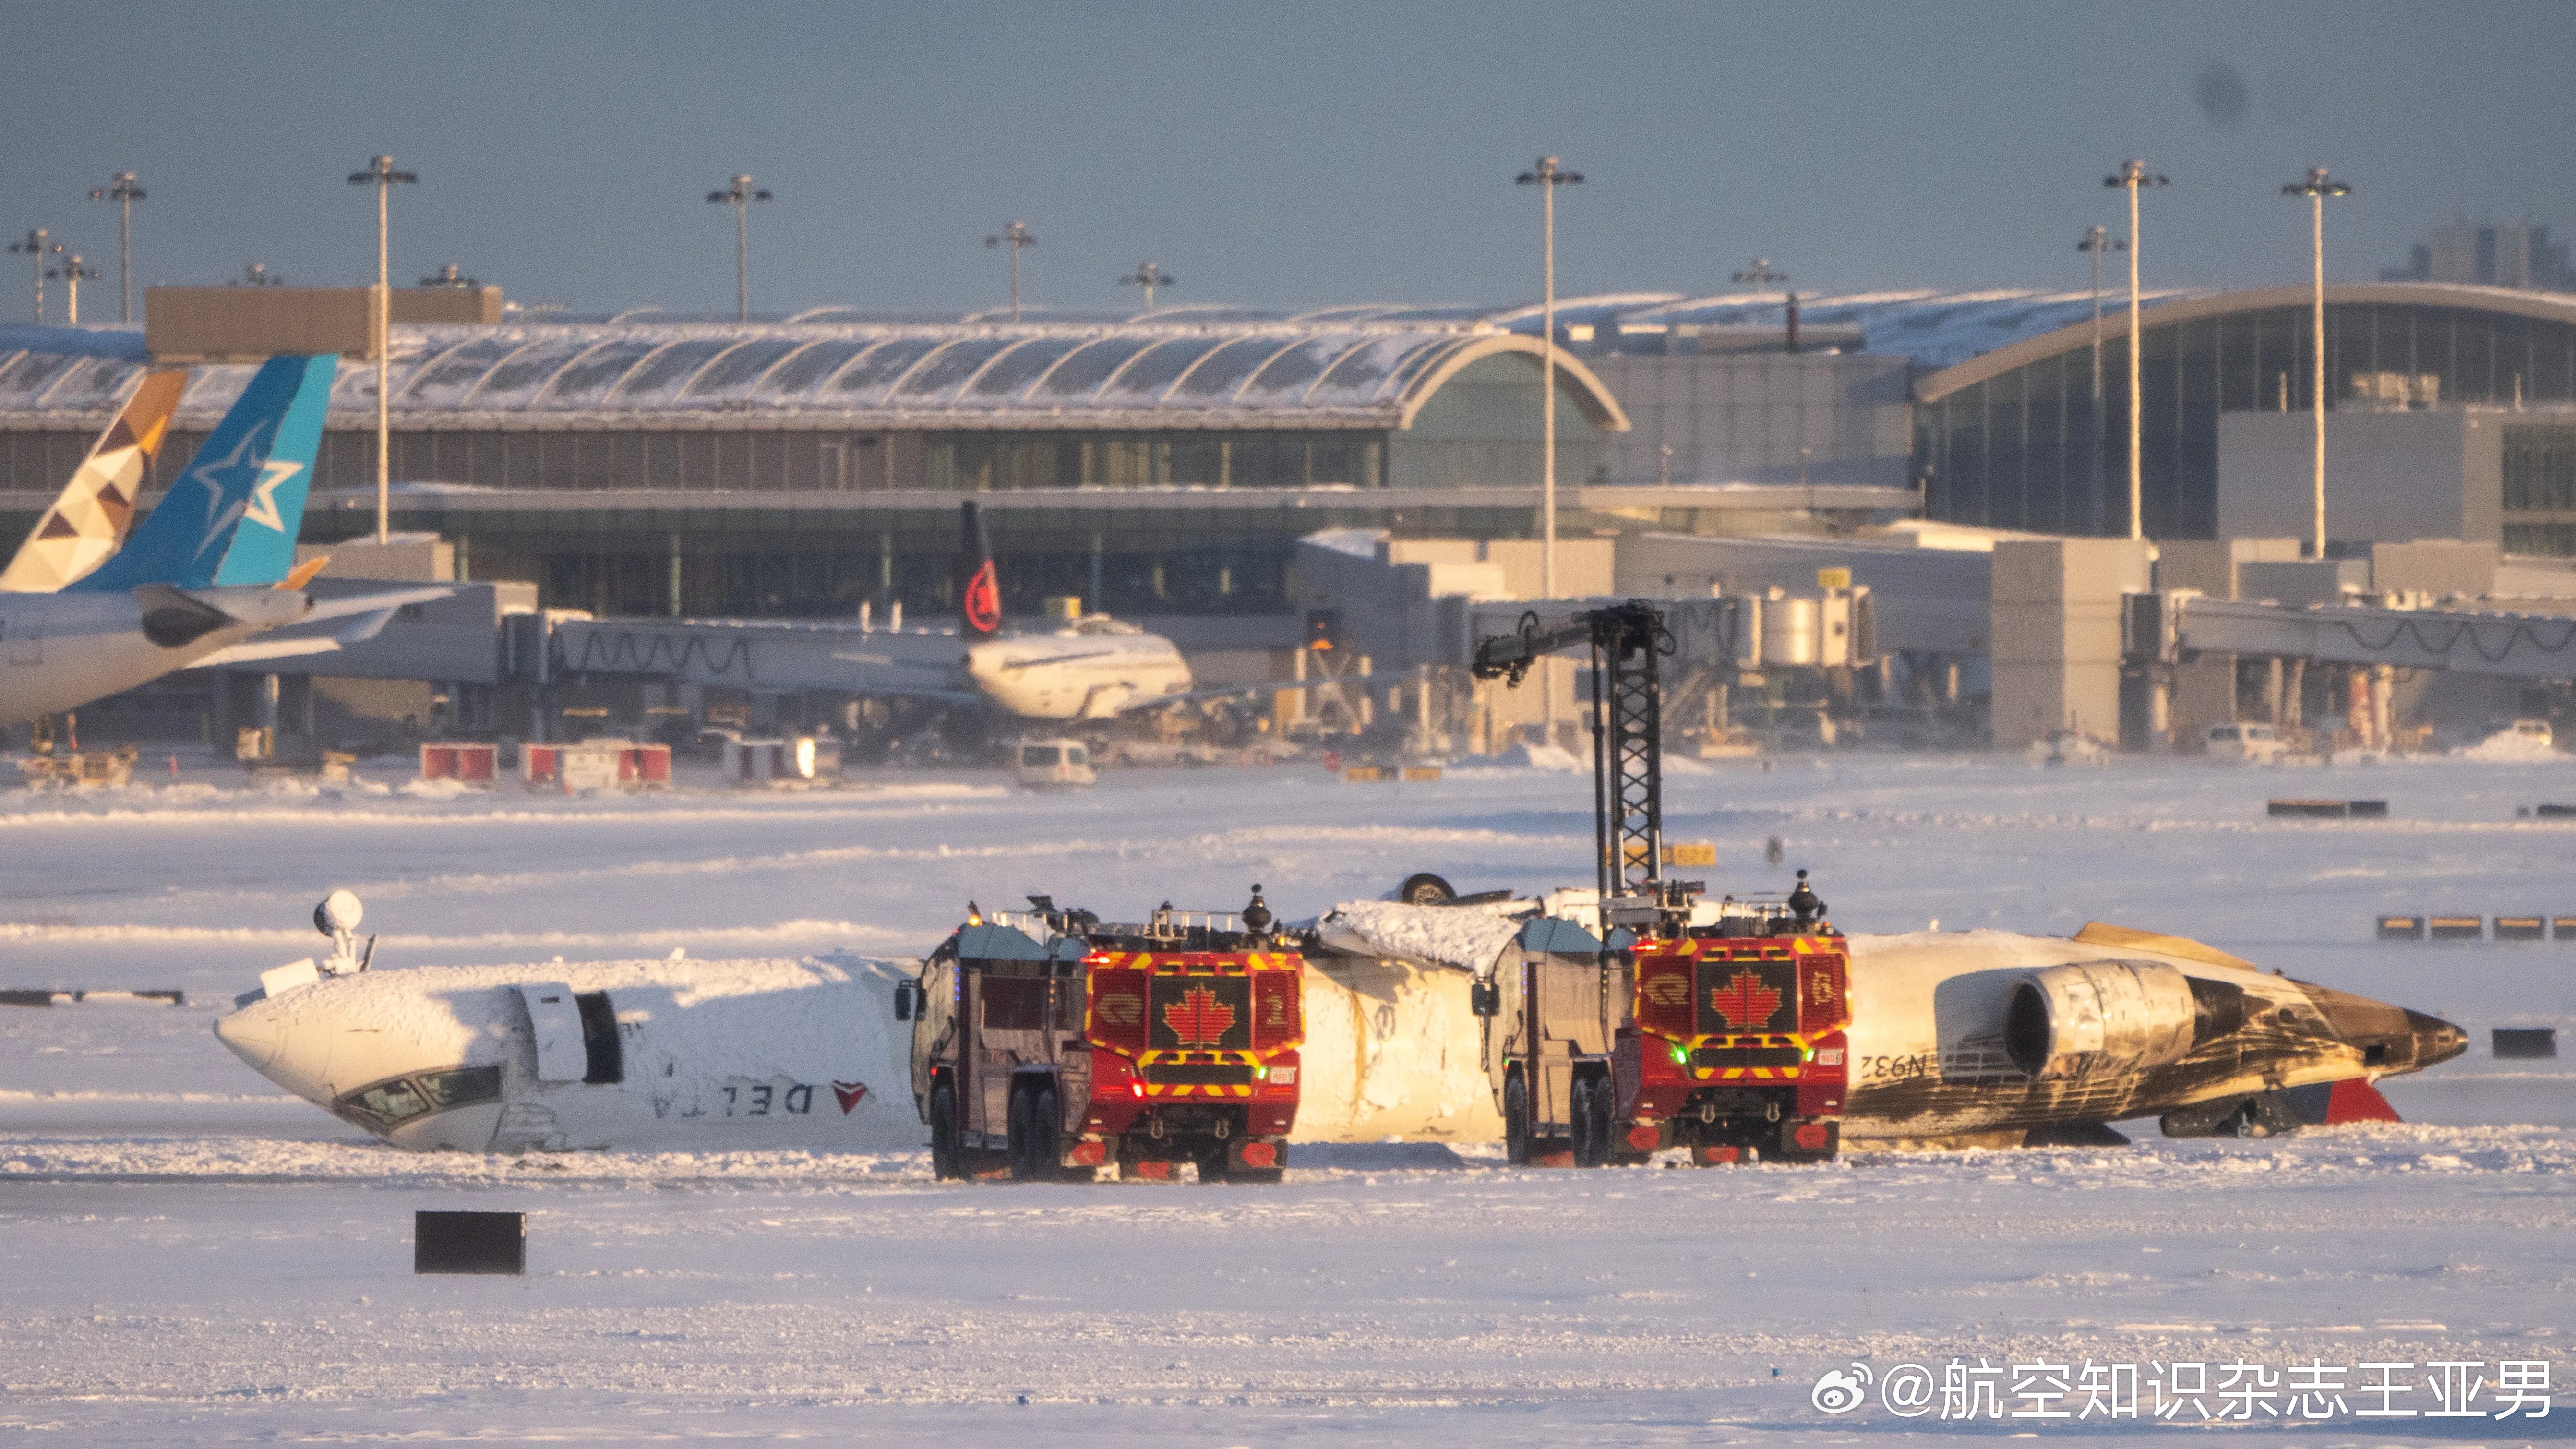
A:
x: 1348, y: 368
x: 1189, y: 366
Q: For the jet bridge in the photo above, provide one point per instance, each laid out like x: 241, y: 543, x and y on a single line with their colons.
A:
x: 770, y: 655
x: 2175, y: 624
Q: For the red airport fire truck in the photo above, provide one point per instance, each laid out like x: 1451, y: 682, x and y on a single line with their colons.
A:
x: 1716, y: 1027
x: 1049, y: 1046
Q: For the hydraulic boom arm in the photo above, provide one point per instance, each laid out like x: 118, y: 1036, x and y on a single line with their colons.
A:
x: 1627, y: 743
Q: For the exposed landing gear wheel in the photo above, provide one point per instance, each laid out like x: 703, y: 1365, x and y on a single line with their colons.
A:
x: 945, y: 1161
x: 1422, y: 888
x: 1516, y: 1124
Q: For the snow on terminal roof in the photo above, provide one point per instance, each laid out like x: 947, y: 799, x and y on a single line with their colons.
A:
x: 1349, y: 367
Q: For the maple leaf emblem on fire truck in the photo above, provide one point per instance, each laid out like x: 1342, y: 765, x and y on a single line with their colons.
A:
x: 1744, y: 1001
x: 1198, y: 1018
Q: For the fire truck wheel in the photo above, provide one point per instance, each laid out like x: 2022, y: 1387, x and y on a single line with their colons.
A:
x: 1516, y: 1125
x: 1046, y: 1128
x: 944, y: 1163
x: 1015, y: 1138
x: 1806, y: 1140
x: 1578, y: 1112
x: 1422, y: 888
x: 1605, y: 1128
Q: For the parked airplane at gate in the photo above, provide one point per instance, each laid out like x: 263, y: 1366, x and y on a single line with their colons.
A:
x: 88, y: 523
x: 213, y: 566
x: 1095, y: 668
x: 1979, y: 1038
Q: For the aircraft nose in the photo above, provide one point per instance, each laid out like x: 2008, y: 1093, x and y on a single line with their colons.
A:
x: 252, y: 1035
x: 293, y: 1059
x: 2436, y: 1040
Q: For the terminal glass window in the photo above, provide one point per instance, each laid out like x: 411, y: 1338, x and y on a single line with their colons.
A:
x: 2031, y: 447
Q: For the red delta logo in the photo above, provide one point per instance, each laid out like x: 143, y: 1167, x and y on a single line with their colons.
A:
x: 1198, y: 1018
x: 984, y: 600
x: 1744, y: 1001
x: 848, y: 1094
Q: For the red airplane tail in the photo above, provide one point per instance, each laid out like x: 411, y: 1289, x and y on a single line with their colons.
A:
x: 979, y: 602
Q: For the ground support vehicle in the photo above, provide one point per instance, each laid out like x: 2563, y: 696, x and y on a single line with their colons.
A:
x: 1683, y: 1024
x: 1049, y: 1046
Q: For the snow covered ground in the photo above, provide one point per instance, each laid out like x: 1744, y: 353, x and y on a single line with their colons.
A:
x: 194, y: 1256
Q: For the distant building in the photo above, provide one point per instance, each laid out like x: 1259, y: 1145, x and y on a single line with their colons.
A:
x: 2491, y: 254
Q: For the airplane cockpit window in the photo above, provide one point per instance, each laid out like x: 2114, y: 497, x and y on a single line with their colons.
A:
x: 394, y: 1101
x: 465, y: 1084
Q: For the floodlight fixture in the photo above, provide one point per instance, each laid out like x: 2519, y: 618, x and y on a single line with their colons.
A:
x: 1148, y: 275
x: 2133, y: 176
x: 38, y: 242
x: 382, y: 175
x: 2316, y: 189
x: 740, y: 195
x: 122, y: 190
x: 68, y: 266
x: 1016, y: 236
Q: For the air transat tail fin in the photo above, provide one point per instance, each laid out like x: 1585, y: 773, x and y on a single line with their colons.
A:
x: 979, y: 603
x: 232, y: 516
x: 88, y: 523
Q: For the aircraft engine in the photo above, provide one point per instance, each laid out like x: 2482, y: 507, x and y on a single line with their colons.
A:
x: 2097, y: 1017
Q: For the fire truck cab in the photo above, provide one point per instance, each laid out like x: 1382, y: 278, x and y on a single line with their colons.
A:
x: 1724, y: 1037
x: 1049, y: 1046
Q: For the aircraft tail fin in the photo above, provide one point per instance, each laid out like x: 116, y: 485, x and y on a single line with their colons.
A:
x: 88, y: 523
x: 979, y: 603
x: 232, y: 517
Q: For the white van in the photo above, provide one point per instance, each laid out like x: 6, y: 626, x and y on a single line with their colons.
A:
x: 1055, y: 765
x: 2244, y: 744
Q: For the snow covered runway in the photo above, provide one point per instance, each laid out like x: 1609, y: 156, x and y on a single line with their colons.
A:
x: 194, y: 1257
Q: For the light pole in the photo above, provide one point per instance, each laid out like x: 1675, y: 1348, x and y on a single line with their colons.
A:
x: 2134, y: 175
x: 740, y: 195
x: 68, y: 267
x: 2096, y: 241
x: 1149, y: 275
x: 2316, y: 189
x: 380, y: 174
x: 34, y: 248
x: 1760, y: 275
x: 1017, y: 236
x: 1547, y: 175
x: 122, y: 190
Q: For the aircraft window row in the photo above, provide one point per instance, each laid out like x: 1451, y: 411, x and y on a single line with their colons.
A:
x: 404, y: 1098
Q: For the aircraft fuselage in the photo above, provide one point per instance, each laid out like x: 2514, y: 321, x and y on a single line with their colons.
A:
x: 60, y: 651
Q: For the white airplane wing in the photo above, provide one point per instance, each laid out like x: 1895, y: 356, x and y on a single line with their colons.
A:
x: 367, y: 614
x: 1224, y: 691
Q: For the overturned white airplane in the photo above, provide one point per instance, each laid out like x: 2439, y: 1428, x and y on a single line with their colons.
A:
x: 1965, y: 1038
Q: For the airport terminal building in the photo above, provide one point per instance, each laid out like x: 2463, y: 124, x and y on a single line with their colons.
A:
x: 1162, y: 465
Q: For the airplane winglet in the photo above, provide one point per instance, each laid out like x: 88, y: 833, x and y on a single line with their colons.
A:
x: 303, y: 573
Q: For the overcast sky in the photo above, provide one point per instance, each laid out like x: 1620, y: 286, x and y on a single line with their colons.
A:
x: 1272, y: 155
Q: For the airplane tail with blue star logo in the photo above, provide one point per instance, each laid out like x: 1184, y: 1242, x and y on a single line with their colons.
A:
x: 232, y: 516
